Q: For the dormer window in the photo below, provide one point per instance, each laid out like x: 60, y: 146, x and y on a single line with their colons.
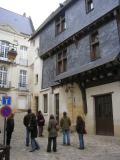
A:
x: 89, y: 5
x: 60, y: 24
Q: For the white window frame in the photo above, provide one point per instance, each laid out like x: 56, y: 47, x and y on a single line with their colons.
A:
x: 4, y: 48
x: 23, y: 78
x: 3, y: 75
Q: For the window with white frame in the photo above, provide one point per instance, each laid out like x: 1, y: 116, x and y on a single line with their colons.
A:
x: 23, y: 78
x: 4, y: 47
x: 23, y: 54
x: 3, y: 75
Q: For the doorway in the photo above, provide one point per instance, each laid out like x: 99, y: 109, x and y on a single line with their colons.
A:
x: 104, y: 115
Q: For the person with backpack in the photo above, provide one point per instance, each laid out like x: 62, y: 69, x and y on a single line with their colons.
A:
x: 33, y: 132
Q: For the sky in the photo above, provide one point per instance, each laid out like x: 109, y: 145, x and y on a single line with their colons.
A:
x: 38, y: 10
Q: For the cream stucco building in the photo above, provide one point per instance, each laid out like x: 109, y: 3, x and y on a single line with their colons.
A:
x: 15, y: 31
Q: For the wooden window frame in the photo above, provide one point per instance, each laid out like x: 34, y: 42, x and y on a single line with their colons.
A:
x: 89, y: 5
x: 62, y: 61
x: 94, y: 44
x: 45, y: 101
x: 60, y: 24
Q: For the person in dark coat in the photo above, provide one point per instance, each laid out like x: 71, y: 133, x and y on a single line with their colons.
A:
x: 52, y: 134
x: 40, y: 123
x: 80, y: 128
x: 33, y: 130
x: 9, y: 128
x: 26, y: 122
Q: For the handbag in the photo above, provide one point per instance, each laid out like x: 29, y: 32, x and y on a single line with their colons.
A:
x: 84, y: 131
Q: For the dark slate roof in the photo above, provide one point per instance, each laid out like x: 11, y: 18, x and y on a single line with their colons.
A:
x: 52, y: 15
x: 86, y: 67
x: 19, y: 22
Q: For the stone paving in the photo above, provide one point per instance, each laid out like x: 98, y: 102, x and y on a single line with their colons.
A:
x: 96, y: 147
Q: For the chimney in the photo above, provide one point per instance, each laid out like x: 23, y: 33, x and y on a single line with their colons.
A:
x: 24, y: 14
x: 61, y: 5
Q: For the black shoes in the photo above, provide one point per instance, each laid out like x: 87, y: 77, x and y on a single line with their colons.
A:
x: 32, y: 150
x: 81, y: 148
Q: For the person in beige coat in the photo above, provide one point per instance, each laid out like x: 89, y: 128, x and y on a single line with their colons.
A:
x: 52, y: 134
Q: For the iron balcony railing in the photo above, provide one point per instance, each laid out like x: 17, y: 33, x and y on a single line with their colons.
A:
x: 5, y: 84
x: 5, y: 47
x: 23, y: 86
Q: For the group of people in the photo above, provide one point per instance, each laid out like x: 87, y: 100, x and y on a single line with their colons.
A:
x: 53, y: 127
x: 34, y: 124
x: 34, y: 127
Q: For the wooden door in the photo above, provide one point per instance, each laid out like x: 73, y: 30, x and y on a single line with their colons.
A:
x: 104, y: 115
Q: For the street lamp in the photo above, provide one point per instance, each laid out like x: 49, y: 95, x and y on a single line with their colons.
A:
x: 12, y: 53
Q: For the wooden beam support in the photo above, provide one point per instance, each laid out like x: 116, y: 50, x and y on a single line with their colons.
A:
x: 83, y: 92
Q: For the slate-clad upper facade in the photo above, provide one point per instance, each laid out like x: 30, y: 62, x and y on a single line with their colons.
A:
x: 101, y: 19
x: 76, y: 19
x: 79, y: 58
x: 21, y: 24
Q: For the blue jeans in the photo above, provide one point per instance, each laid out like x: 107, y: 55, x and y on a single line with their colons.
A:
x: 81, y: 140
x: 34, y: 144
x: 27, y: 137
x: 66, y: 137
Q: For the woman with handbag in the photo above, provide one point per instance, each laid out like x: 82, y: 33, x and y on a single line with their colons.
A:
x: 80, y: 128
x: 52, y: 134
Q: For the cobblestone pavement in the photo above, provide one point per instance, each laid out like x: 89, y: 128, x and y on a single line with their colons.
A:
x: 96, y: 147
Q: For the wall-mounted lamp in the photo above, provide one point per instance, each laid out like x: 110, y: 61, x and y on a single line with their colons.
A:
x: 12, y: 53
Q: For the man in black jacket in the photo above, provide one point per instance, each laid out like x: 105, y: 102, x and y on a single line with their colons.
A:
x: 26, y: 122
x: 9, y: 128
